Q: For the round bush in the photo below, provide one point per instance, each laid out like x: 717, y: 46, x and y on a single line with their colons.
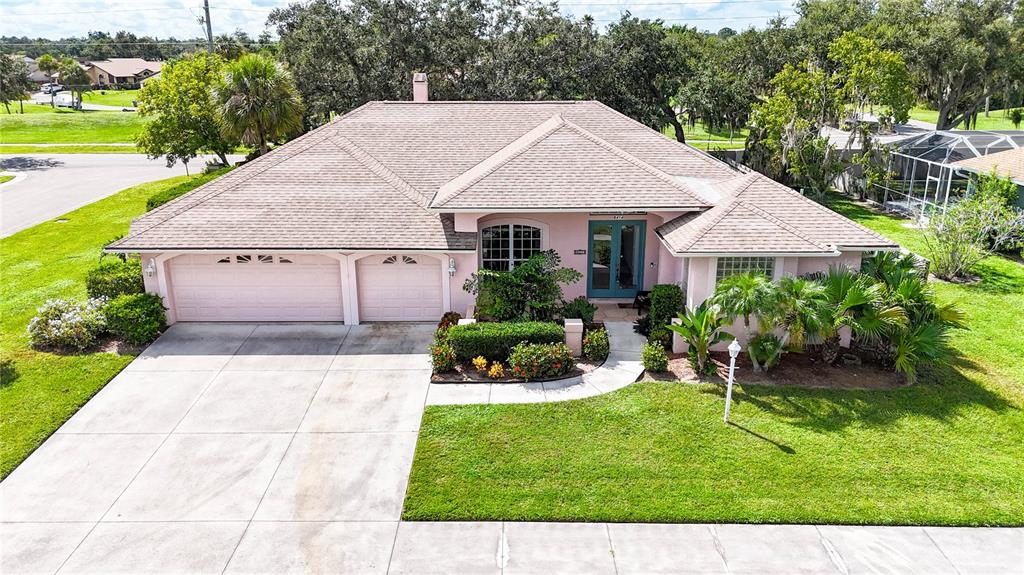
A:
x: 442, y: 357
x: 136, y: 318
x: 654, y: 358
x: 115, y: 277
x: 65, y: 324
x: 595, y: 344
x: 535, y: 360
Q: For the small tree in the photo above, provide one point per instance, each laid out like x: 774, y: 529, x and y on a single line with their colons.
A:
x: 531, y: 290
x: 815, y: 165
x: 14, y: 80
x: 1017, y: 116
x: 259, y: 102
x: 182, y: 110
x: 75, y: 79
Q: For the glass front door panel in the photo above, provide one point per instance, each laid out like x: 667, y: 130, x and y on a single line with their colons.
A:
x: 626, y: 274
x: 601, y: 257
x: 616, y: 258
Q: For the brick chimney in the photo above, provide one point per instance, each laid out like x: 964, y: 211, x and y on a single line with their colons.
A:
x: 419, y: 87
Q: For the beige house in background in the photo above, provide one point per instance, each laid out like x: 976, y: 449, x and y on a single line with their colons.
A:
x: 120, y: 71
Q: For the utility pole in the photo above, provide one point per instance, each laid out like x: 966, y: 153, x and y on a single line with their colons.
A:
x: 209, y: 28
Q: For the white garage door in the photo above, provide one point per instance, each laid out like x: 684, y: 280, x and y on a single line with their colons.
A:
x: 399, y: 288
x: 256, y: 287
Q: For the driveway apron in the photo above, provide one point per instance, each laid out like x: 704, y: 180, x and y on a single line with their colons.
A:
x: 234, y: 448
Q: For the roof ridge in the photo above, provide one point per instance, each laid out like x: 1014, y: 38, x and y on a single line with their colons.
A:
x: 708, y: 158
x: 270, y: 160
x: 379, y: 169
x: 819, y: 207
x: 782, y: 224
x: 490, y: 164
x: 654, y: 171
x: 701, y: 229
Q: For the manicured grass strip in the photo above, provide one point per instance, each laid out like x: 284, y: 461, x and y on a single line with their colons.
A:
x: 69, y: 128
x: 18, y: 109
x: 40, y: 391
x: 996, y: 120
x: 946, y: 451
x: 69, y: 149
x: 112, y: 97
x: 5, y: 179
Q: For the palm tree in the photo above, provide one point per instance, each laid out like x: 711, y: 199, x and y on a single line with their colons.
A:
x: 701, y: 328
x: 746, y: 295
x: 855, y: 302
x: 259, y: 102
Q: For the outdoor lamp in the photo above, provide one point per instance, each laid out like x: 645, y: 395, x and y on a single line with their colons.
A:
x: 734, y: 352
x: 150, y: 268
x: 451, y: 267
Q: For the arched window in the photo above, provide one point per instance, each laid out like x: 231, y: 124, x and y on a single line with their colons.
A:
x: 503, y: 246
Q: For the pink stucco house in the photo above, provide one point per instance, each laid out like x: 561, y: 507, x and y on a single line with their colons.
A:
x: 383, y: 213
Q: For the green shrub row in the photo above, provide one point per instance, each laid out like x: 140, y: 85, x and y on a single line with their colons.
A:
x: 114, y: 277
x: 495, y: 341
x: 666, y: 303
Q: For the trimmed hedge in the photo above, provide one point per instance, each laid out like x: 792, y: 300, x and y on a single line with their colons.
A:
x: 495, y: 340
x: 537, y: 360
x: 136, y: 318
x: 666, y: 303
x: 113, y: 278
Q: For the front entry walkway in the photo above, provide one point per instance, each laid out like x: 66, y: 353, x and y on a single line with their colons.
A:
x: 243, y: 448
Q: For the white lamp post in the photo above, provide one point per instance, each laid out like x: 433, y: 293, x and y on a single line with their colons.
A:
x: 734, y: 352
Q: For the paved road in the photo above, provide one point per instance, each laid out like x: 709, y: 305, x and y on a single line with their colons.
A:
x: 285, y: 448
x: 55, y: 184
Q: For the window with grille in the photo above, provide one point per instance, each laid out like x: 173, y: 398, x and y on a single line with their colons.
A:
x: 735, y: 266
x: 505, y: 245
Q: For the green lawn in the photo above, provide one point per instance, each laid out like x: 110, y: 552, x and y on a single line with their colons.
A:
x: 67, y: 127
x: 5, y: 179
x: 947, y: 451
x: 39, y: 391
x: 700, y: 137
x: 112, y: 97
x: 18, y: 109
x: 68, y: 149
x: 996, y: 120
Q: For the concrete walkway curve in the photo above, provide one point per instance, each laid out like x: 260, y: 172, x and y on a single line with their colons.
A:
x: 622, y: 368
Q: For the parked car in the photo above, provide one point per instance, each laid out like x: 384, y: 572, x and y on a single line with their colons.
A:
x: 52, y: 88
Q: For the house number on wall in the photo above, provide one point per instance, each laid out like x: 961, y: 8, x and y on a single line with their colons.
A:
x: 579, y: 252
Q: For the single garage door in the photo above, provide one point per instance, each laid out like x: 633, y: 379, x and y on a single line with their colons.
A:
x: 399, y: 288
x: 256, y: 287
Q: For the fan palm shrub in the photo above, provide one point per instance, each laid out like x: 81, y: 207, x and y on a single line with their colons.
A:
x: 747, y: 295
x: 701, y: 328
x: 854, y: 301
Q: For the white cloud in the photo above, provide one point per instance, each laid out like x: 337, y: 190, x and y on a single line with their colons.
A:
x: 178, y: 18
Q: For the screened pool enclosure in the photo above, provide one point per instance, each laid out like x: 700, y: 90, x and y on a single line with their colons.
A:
x: 922, y: 175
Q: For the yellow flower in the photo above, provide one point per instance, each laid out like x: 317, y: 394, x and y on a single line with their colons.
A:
x: 480, y: 363
x: 497, y: 370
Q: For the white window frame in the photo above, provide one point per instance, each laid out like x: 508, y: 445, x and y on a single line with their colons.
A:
x: 540, y: 226
x: 743, y: 264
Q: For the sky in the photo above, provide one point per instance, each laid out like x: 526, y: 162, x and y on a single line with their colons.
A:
x: 179, y: 18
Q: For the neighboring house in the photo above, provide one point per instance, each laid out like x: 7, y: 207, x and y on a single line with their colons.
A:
x: 36, y: 75
x: 1008, y: 164
x: 120, y: 72
x: 382, y: 214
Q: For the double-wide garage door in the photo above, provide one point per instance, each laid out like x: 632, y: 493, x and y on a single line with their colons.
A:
x: 299, y: 287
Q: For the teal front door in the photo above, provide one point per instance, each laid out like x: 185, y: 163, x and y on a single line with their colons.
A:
x: 616, y: 258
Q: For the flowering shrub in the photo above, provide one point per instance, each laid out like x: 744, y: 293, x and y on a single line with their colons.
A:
x: 480, y: 363
x: 136, y: 318
x: 449, y: 319
x: 595, y: 344
x: 66, y: 324
x: 442, y: 357
x: 497, y: 370
x: 654, y: 357
x: 535, y: 360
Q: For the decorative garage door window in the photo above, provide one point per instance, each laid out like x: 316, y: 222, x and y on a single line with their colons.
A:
x: 736, y: 266
x: 394, y: 260
x: 254, y: 259
x: 505, y: 245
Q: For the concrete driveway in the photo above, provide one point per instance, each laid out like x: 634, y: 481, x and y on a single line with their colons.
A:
x: 299, y: 437
x: 55, y: 184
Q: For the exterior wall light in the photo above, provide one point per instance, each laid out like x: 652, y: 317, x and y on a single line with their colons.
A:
x: 150, y: 268
x: 451, y: 267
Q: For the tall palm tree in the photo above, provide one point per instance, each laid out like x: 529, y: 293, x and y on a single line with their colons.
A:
x: 259, y: 102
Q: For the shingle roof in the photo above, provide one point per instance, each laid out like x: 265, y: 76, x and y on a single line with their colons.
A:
x: 758, y: 215
x: 559, y: 165
x: 123, y: 67
x: 381, y: 177
x: 1008, y: 163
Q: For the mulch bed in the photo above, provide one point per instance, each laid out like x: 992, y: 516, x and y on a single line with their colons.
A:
x: 795, y: 369
x: 466, y: 373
